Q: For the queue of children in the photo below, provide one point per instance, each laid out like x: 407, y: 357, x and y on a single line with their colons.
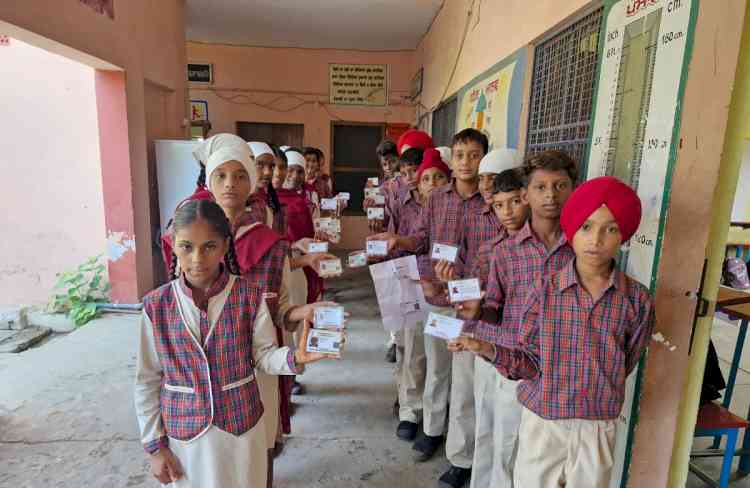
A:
x: 527, y: 394
x: 217, y: 354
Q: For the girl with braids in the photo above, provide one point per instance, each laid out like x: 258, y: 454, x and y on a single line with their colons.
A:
x: 202, y: 337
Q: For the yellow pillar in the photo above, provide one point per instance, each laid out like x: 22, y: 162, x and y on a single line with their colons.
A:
x: 738, y: 130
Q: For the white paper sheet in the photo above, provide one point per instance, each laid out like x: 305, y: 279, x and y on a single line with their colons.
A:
x: 400, y: 297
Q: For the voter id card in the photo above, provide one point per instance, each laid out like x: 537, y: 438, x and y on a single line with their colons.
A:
x: 329, y: 317
x: 443, y: 327
x: 444, y: 252
x: 325, y: 341
x: 464, y: 290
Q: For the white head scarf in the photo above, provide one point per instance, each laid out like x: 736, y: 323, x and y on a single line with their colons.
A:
x: 284, y: 148
x: 214, y: 143
x: 295, y: 159
x: 231, y: 153
x: 259, y: 149
x: 446, y: 154
x: 499, y: 160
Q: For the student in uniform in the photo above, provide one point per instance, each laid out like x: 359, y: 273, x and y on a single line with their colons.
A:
x: 265, y: 196
x: 201, y: 154
x: 202, y: 336
x: 263, y: 257
x: 494, y: 163
x: 444, y: 220
x: 511, y: 212
x: 316, y: 180
x: 424, y: 381
x: 295, y: 180
x: 537, y: 250
x: 582, y: 332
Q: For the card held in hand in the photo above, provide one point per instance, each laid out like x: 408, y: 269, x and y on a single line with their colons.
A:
x: 325, y: 341
x: 329, y: 318
x: 330, y: 267
x: 377, y: 248
x: 464, y: 290
x: 443, y: 327
x: 444, y: 252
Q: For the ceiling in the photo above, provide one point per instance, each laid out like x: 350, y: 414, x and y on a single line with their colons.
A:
x: 376, y: 25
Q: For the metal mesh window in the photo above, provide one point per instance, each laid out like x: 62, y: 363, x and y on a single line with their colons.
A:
x: 562, y: 89
x: 444, y: 123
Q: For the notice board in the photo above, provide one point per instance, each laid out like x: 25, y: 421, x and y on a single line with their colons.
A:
x: 358, y: 84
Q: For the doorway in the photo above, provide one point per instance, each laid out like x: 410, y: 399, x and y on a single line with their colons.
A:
x: 353, y: 159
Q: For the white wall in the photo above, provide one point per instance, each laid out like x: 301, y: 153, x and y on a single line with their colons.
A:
x: 51, y: 197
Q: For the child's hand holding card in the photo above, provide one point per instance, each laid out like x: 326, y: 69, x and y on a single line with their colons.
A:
x: 464, y: 290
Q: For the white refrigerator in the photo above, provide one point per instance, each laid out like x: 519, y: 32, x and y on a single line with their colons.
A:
x: 176, y: 172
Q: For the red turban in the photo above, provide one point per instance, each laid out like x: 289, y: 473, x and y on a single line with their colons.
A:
x: 414, y: 138
x: 618, y: 197
x: 432, y: 159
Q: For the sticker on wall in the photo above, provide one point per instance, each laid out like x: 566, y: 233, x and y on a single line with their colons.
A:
x: 644, y: 57
x: 491, y: 102
x: 198, y: 111
x: 358, y: 84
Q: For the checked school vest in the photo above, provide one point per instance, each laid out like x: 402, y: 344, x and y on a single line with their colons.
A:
x: 213, y: 382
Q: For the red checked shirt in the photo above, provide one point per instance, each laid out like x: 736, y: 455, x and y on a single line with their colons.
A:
x: 516, y: 264
x: 484, y: 230
x: 576, y: 352
x: 445, y: 220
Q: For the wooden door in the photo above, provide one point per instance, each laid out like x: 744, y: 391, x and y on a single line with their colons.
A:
x: 279, y: 134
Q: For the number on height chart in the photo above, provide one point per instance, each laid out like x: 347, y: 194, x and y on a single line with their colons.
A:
x: 611, y: 36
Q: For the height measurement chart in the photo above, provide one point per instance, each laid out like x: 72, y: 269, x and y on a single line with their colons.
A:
x: 643, y: 66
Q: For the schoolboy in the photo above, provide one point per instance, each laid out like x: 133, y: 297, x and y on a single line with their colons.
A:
x: 537, y: 250
x: 582, y: 333
x: 444, y: 220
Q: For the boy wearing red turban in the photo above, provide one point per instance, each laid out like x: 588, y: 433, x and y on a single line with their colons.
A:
x: 582, y: 333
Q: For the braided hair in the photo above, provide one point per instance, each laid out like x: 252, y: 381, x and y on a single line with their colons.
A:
x: 201, y: 182
x: 212, y: 213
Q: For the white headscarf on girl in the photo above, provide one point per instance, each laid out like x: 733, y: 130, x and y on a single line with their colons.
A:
x: 259, y: 149
x: 214, y: 143
x: 295, y: 159
x: 231, y: 153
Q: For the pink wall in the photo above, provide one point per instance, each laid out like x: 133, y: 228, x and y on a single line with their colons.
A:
x: 54, y: 215
x: 263, y: 75
x: 146, y: 40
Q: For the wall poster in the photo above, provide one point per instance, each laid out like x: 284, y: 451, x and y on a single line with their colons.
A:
x: 645, y: 51
x: 492, y: 101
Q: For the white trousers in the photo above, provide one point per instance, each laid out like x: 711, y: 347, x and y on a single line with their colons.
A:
x: 459, y: 446
x: 498, y: 417
x: 437, y: 384
x: 570, y: 453
x: 412, y: 379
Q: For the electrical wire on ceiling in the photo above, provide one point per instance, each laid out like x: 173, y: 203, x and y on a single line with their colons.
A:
x: 243, y: 96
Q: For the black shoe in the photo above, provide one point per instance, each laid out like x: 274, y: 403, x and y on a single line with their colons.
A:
x: 427, y: 445
x: 406, y: 430
x: 396, y: 408
x: 455, y: 477
x: 390, y: 356
x: 298, y: 389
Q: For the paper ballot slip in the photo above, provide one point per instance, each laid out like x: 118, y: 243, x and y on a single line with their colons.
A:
x: 375, y: 213
x: 329, y: 318
x: 443, y: 327
x: 324, y: 341
x: 373, y: 181
x: 330, y: 267
x: 314, y: 247
x: 329, y: 204
x: 444, y: 251
x: 377, y: 248
x: 463, y: 290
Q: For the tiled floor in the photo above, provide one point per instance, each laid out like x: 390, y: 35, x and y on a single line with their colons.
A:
x: 724, y: 336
